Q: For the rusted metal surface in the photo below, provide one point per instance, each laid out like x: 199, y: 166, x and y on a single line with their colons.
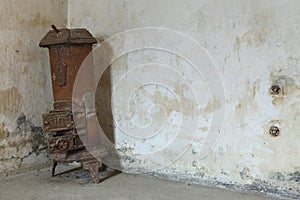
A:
x: 68, y: 48
x: 67, y: 37
x: 79, y: 156
x: 57, y: 121
x: 93, y: 166
x: 64, y: 143
x: 63, y: 120
x: 65, y: 62
x: 62, y: 105
x: 68, y: 105
x: 60, y: 71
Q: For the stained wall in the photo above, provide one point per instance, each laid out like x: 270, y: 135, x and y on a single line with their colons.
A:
x: 25, y: 89
x: 254, y: 45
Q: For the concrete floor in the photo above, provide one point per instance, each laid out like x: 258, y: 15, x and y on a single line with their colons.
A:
x: 77, y: 185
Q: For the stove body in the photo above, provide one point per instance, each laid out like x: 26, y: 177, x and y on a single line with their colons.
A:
x: 67, y: 49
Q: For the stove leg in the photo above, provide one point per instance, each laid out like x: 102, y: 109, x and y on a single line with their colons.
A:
x: 53, y: 168
x: 93, y: 167
x: 103, y: 167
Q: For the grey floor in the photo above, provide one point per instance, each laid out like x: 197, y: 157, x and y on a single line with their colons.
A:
x: 77, y: 185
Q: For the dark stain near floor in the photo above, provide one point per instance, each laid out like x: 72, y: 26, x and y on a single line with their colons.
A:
x: 25, y: 136
x: 295, y: 176
x: 25, y: 126
x: 36, y: 138
x: 278, y: 176
x: 268, y: 188
x: 292, y: 176
x: 284, y: 185
x: 257, y: 186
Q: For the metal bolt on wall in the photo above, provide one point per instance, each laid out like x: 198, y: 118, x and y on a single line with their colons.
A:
x: 274, y: 131
x: 275, y: 90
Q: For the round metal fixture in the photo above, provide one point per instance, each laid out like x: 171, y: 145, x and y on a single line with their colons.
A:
x: 275, y: 89
x: 274, y: 130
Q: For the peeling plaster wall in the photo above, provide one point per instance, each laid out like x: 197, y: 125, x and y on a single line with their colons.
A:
x: 25, y: 89
x: 254, y: 44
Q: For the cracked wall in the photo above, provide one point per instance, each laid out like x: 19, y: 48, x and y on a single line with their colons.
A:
x: 254, y: 45
x: 25, y: 89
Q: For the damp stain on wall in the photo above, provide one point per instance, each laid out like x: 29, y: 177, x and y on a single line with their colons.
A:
x: 11, y: 101
x: 252, y: 41
x: 3, y: 132
x: 258, y: 32
x: 25, y: 90
x: 24, y: 141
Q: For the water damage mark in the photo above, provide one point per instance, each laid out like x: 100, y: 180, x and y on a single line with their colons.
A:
x: 258, y: 32
x: 289, y: 87
x: 24, y: 141
x: 294, y: 176
x: 285, y: 83
x: 11, y: 101
x: 32, y: 135
x: 277, y: 185
x: 26, y: 126
x: 269, y: 188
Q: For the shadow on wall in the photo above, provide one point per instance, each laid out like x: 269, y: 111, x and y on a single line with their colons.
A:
x: 103, y: 104
x: 104, y: 113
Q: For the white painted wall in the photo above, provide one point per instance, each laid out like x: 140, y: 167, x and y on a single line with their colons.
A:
x: 254, y: 44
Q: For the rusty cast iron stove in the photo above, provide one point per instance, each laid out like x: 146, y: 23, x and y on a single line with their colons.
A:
x: 68, y: 48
